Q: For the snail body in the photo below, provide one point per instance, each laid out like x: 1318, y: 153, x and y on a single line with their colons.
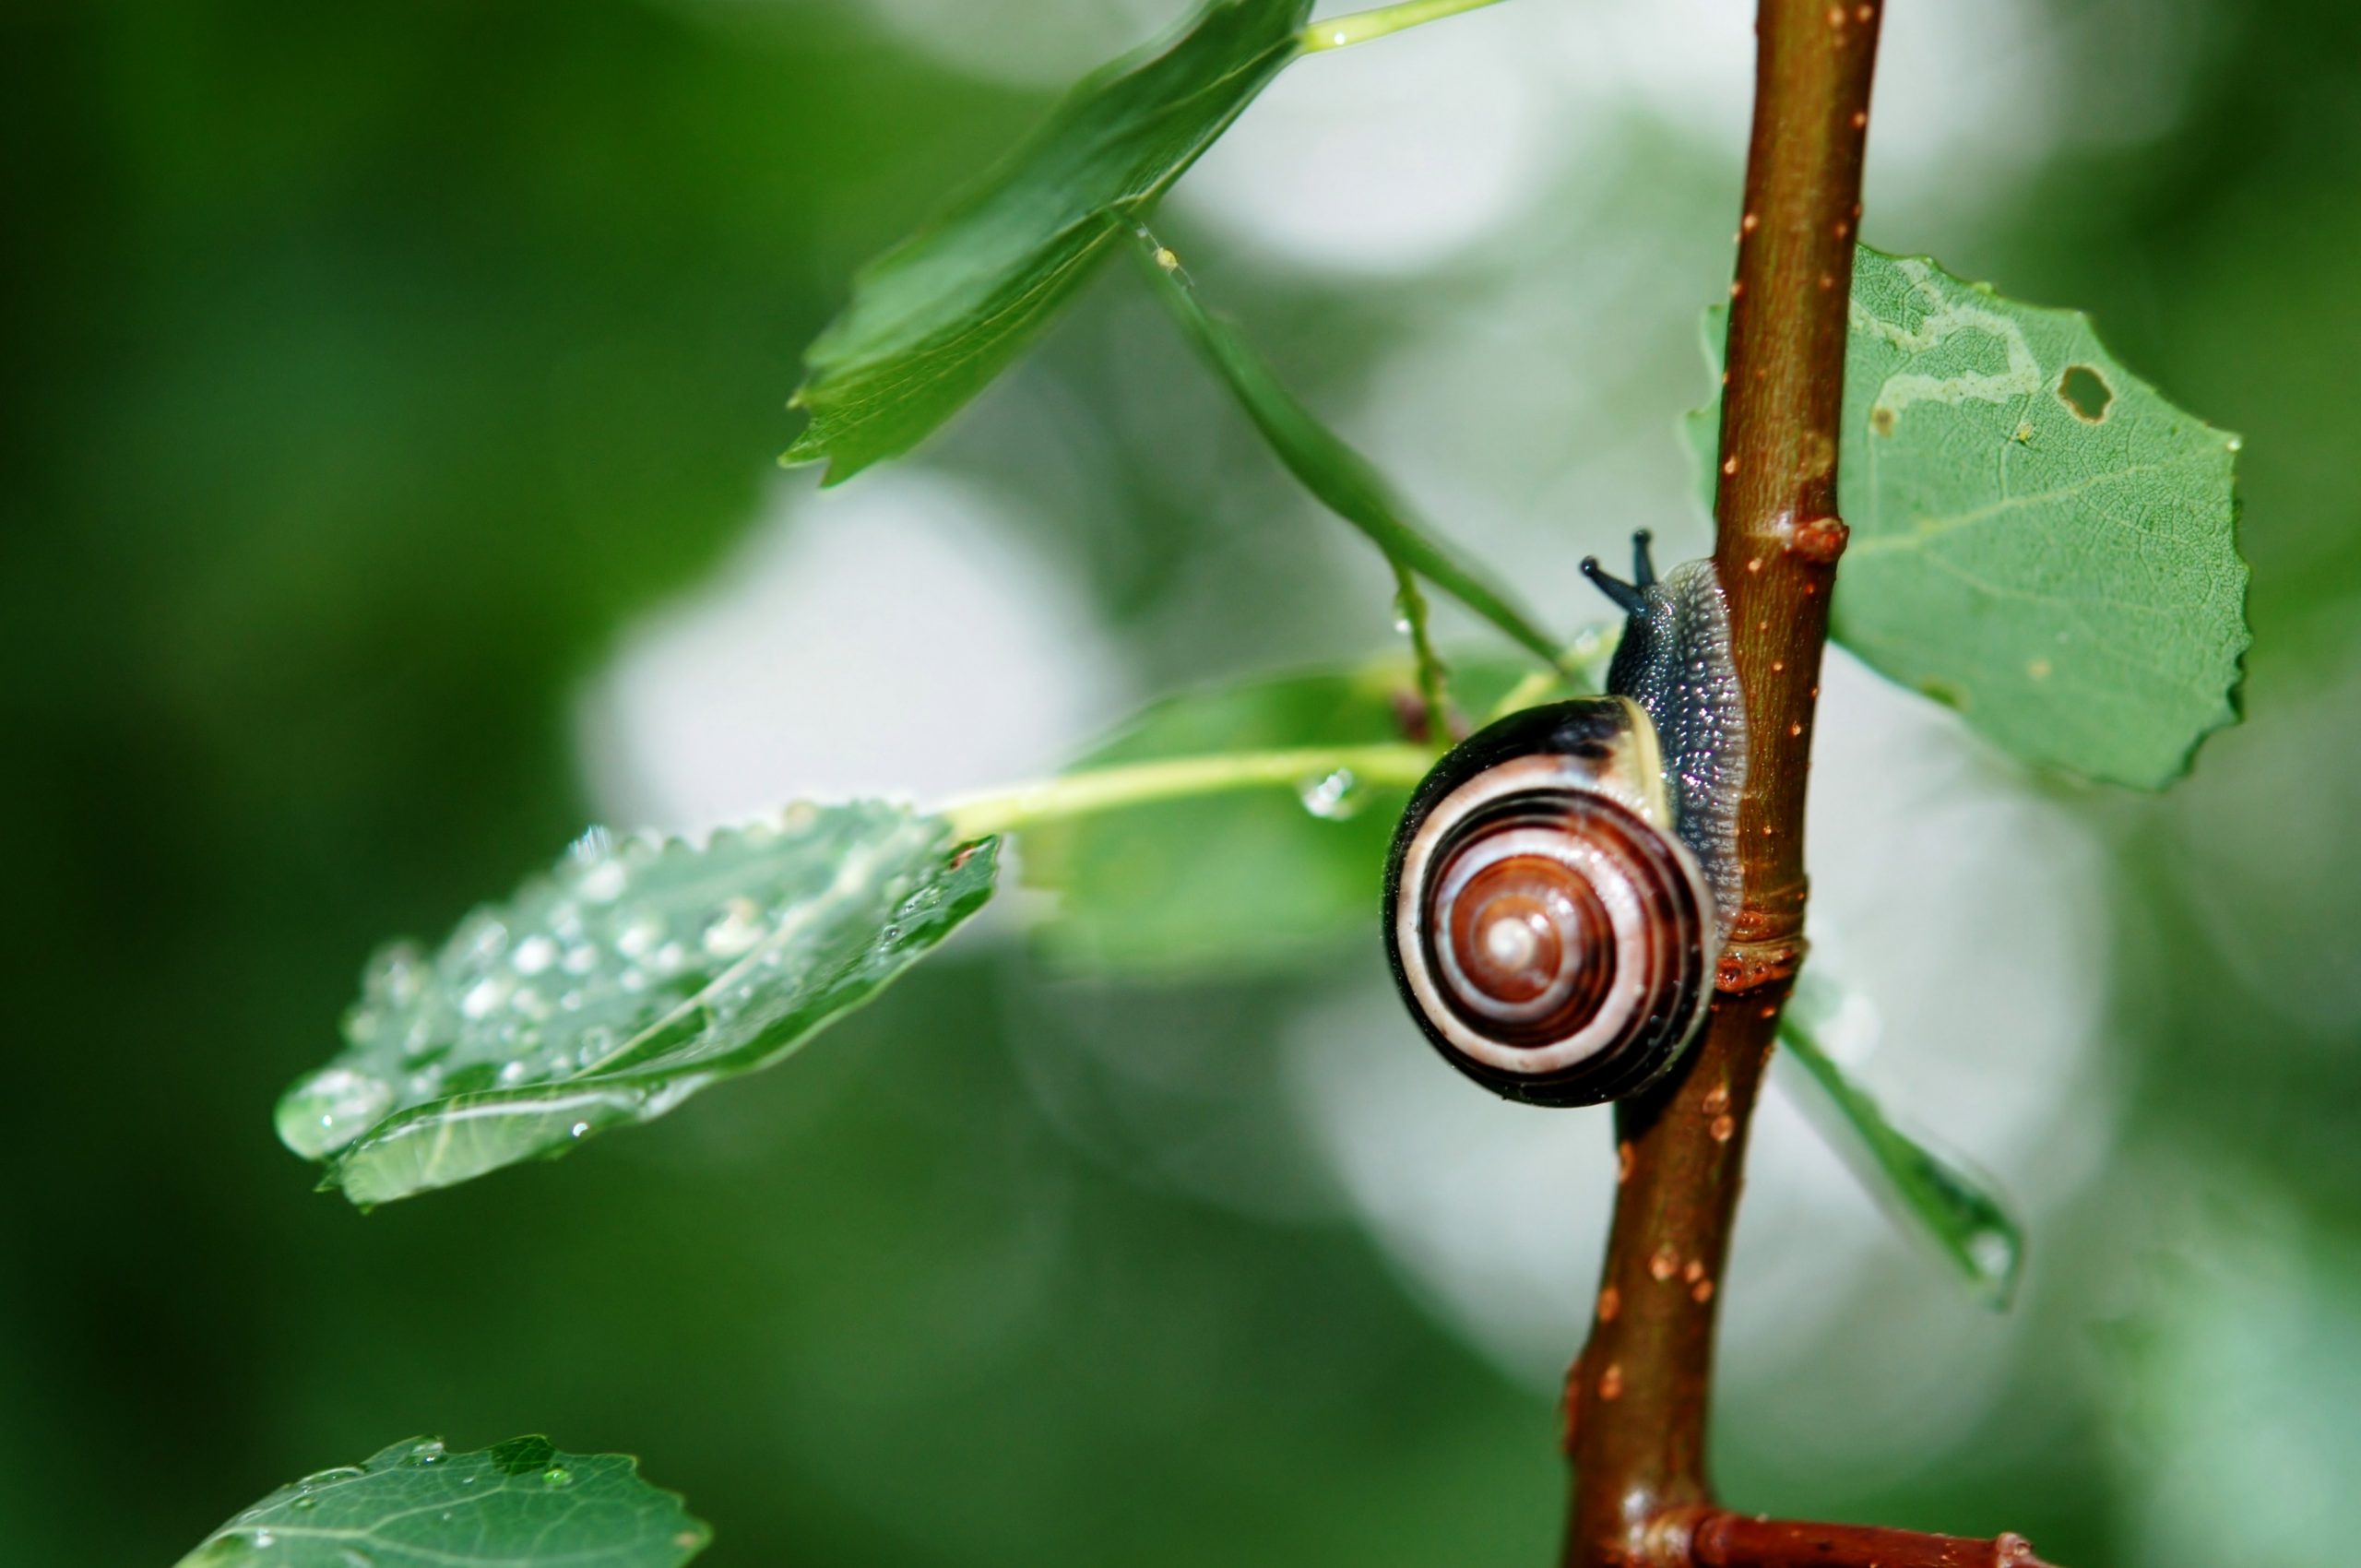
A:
x: 1560, y: 887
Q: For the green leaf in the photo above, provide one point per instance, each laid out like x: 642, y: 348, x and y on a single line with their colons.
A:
x: 517, y: 1505
x: 628, y: 979
x: 1246, y: 881
x: 1930, y: 1192
x: 934, y: 319
x: 2039, y: 538
x: 1345, y: 482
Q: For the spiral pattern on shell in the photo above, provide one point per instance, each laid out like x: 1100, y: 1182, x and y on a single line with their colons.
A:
x: 1552, y: 942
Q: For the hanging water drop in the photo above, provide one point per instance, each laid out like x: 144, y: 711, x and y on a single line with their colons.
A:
x: 330, y: 1108
x: 1334, y: 796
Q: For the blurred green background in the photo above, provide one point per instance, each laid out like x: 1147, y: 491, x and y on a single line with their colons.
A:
x: 375, y: 370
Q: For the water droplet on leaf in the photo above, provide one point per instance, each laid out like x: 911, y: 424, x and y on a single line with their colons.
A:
x: 1334, y: 797
x: 330, y: 1108
x: 735, y: 931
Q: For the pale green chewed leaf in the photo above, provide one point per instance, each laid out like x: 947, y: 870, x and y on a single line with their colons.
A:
x: 1255, y: 880
x: 2039, y: 538
x: 517, y: 1505
x: 934, y: 319
x: 625, y: 980
x: 1933, y: 1194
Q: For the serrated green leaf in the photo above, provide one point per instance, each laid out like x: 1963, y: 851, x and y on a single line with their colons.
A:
x: 517, y: 1505
x: 2039, y: 538
x: 1932, y: 1194
x: 1241, y: 881
x: 938, y: 316
x: 628, y: 979
x: 1345, y: 482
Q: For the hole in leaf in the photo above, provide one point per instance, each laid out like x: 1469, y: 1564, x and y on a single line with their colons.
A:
x: 2085, y: 393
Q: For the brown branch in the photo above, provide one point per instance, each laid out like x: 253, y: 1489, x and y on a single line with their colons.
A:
x: 1723, y: 1539
x: 1636, y: 1399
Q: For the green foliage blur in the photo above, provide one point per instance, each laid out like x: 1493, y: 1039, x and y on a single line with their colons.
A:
x: 372, y: 365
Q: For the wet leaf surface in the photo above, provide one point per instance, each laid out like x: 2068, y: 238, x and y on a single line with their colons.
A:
x: 610, y: 990
x: 517, y: 1505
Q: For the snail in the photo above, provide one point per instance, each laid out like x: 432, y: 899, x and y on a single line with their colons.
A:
x: 1560, y: 889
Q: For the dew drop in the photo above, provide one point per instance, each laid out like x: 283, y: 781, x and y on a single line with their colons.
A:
x: 639, y: 938
x: 361, y: 1026
x: 1993, y: 1252
x: 1334, y: 797
x: 330, y: 1108
x: 579, y: 1129
x: 533, y: 955
x: 735, y: 930
x: 602, y: 881
x: 484, y: 995
x: 396, y: 975
x: 429, y: 1452
x: 595, y: 845
x: 557, y: 1475
x: 481, y: 938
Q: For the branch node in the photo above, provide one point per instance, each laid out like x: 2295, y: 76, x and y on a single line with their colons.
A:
x: 1821, y: 541
x: 1751, y: 966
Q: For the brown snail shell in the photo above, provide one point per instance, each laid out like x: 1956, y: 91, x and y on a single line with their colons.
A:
x: 1552, y: 934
